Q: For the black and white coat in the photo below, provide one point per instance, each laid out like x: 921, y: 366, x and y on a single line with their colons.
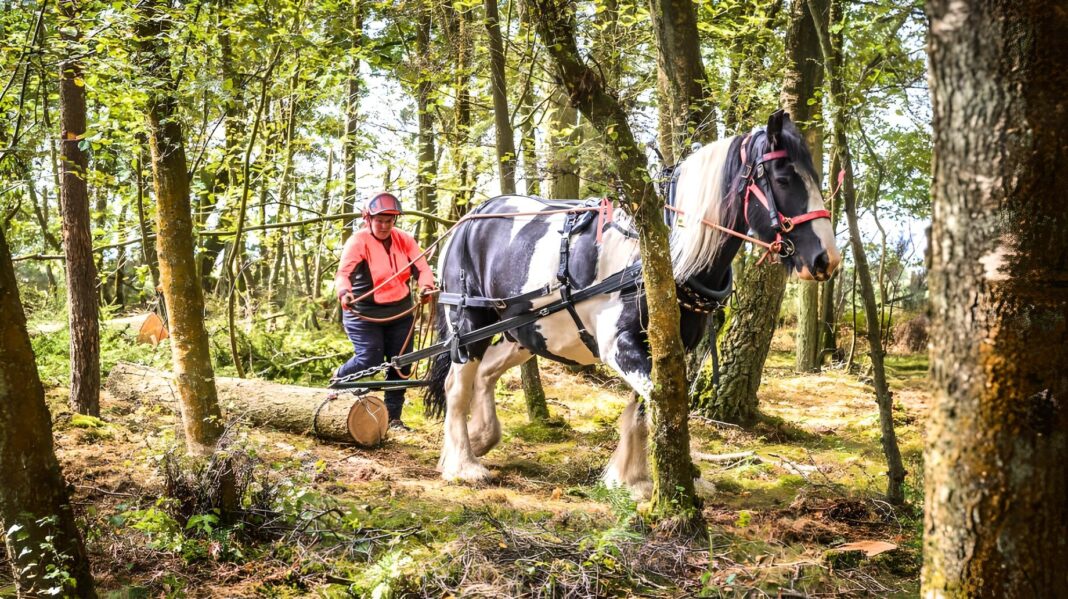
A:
x: 508, y: 256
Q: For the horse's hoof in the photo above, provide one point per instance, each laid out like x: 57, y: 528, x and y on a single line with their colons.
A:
x: 481, y: 448
x: 467, y: 473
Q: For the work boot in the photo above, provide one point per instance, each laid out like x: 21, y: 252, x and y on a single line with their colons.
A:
x: 334, y: 379
x: 398, y: 425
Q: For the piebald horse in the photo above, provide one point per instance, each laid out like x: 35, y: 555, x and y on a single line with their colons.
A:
x: 764, y: 182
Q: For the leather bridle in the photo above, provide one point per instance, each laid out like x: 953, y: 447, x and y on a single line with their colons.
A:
x: 749, y: 180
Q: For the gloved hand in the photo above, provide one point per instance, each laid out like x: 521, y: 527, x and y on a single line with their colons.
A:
x: 347, y: 300
x: 426, y: 294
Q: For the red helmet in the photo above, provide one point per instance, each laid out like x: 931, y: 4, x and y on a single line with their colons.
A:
x: 383, y: 203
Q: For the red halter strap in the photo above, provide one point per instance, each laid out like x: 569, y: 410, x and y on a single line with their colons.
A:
x: 779, y: 221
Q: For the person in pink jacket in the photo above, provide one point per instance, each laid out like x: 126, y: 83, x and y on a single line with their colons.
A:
x: 372, y: 286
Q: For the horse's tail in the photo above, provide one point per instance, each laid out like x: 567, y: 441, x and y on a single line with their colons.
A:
x: 434, y: 395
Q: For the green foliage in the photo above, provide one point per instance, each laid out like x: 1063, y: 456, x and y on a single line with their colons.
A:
x: 33, y: 542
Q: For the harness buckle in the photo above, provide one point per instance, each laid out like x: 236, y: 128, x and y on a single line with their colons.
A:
x: 787, y: 224
x: 786, y: 248
x: 747, y: 172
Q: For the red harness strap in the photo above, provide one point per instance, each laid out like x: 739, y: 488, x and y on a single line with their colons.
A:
x: 779, y: 221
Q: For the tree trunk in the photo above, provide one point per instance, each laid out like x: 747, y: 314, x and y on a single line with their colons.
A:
x: 119, y: 279
x: 35, y: 511
x: 564, y: 136
x: 997, y: 435
x: 238, y: 244
x: 49, y: 244
x: 82, y: 307
x: 828, y: 316
x: 802, y: 83
x: 461, y: 20
x: 427, y: 174
x: 288, y: 408
x: 673, y: 496
x: 352, y: 115
x: 744, y: 346
x: 678, y: 57
x: 199, y: 404
x: 148, y: 248
x: 506, y: 160
x: 833, y: 58
x: 759, y: 292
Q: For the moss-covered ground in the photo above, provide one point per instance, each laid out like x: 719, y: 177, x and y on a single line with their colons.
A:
x: 337, y: 521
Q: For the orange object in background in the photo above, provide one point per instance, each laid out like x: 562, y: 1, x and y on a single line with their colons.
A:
x: 152, y: 330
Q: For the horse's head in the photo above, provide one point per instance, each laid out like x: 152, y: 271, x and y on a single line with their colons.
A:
x: 791, y: 210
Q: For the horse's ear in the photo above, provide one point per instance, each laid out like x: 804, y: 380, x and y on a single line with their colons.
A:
x: 775, y: 123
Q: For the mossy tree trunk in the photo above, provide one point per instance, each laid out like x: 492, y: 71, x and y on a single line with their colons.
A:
x: 427, y: 174
x: 672, y: 470
x: 833, y: 59
x: 801, y: 98
x: 744, y: 346
x: 506, y: 164
x: 997, y: 435
x: 194, y: 375
x: 82, y: 298
x: 36, y: 519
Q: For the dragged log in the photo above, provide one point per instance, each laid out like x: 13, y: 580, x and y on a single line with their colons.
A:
x: 326, y: 415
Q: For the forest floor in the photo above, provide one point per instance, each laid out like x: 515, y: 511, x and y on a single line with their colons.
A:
x: 327, y: 520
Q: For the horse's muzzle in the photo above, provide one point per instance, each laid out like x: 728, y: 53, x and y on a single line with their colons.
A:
x: 822, y: 267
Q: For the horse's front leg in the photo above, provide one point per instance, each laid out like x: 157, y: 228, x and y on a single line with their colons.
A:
x: 484, y: 428
x: 629, y: 465
x: 457, y: 461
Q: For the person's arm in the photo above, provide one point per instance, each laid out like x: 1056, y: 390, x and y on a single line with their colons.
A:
x: 351, y: 257
x: 425, y: 278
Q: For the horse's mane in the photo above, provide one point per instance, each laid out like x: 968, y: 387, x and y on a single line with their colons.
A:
x: 700, y: 192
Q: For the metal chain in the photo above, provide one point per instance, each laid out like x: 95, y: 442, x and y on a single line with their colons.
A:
x: 364, y: 373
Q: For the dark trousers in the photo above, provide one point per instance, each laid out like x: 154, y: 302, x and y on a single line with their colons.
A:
x: 376, y: 343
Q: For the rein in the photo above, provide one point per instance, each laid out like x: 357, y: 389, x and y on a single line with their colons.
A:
x: 748, y: 178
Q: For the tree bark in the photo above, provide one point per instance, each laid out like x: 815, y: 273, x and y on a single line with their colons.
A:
x: 801, y: 85
x: 82, y: 306
x: 201, y: 418
x: 564, y: 136
x: 287, y: 408
x: 997, y: 435
x: 506, y: 161
x: 833, y: 58
x: 352, y: 115
x: 744, y: 347
x: 678, y: 57
x: 828, y: 315
x: 427, y: 174
x: 462, y: 45
x: 673, y: 496
x: 35, y: 510
x: 148, y: 248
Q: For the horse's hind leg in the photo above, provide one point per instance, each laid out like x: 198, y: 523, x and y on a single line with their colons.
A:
x: 457, y: 460
x: 629, y: 465
x: 484, y: 428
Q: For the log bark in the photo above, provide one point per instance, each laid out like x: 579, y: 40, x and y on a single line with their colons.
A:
x: 287, y: 408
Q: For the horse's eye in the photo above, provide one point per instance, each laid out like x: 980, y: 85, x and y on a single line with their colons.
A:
x: 783, y: 181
